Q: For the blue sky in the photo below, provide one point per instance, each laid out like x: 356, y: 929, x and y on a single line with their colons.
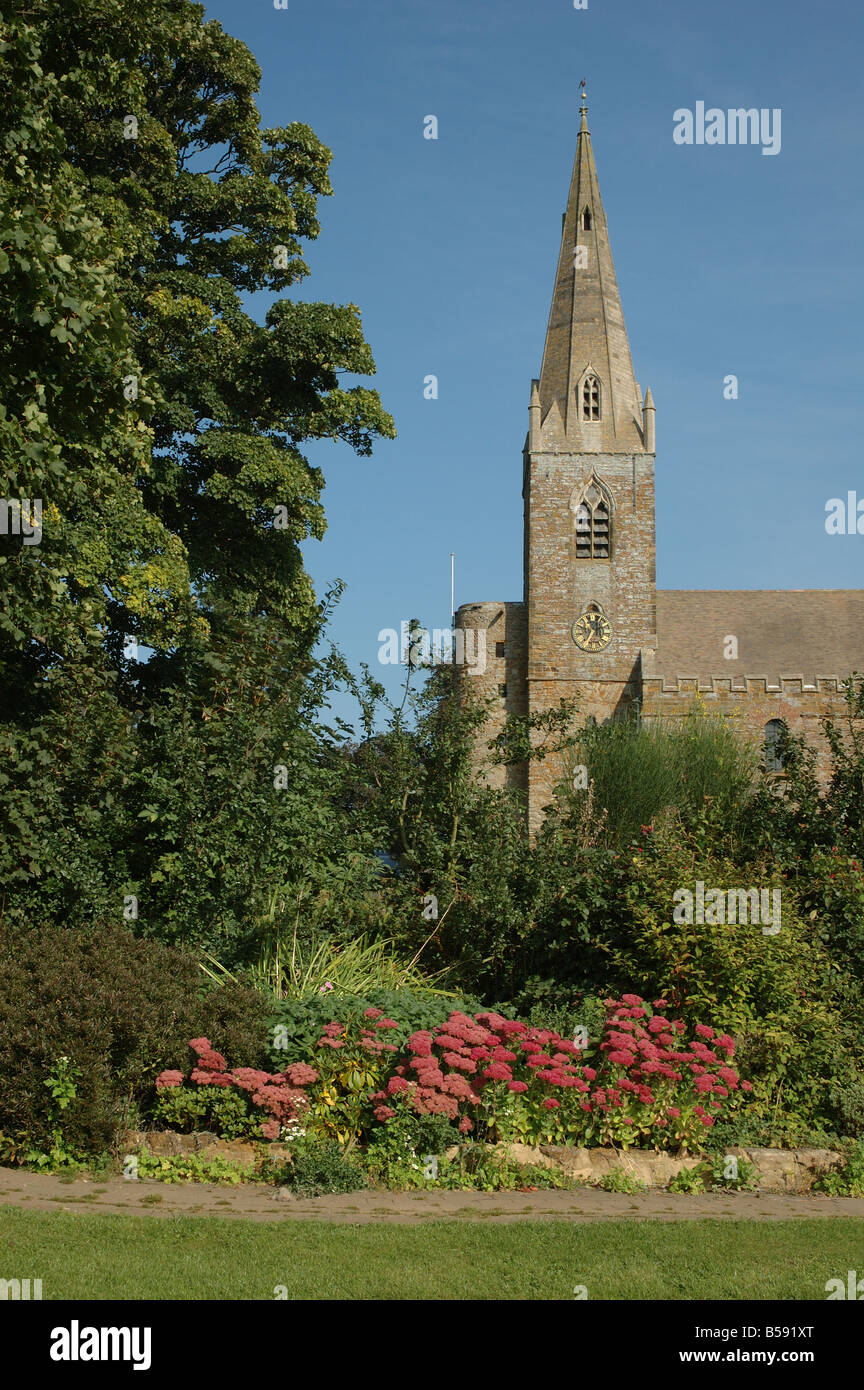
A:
x: 728, y: 261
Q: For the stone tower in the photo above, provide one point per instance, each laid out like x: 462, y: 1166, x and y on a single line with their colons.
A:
x: 589, y: 598
x: 591, y: 624
x: 588, y: 487
x: 589, y: 571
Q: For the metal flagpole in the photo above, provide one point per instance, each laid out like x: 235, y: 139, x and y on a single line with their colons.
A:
x: 452, y: 589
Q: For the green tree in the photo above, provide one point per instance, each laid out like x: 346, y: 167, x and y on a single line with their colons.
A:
x: 238, y: 803
x: 67, y: 439
x: 470, y: 883
x: 161, y: 427
x: 159, y: 117
x: 69, y: 446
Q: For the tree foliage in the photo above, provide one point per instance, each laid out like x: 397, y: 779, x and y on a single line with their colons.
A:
x: 161, y: 428
x: 158, y: 114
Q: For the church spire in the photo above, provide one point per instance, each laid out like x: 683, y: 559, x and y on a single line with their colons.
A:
x: 589, y: 400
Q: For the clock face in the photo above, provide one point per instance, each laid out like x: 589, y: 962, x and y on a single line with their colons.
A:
x: 592, y: 631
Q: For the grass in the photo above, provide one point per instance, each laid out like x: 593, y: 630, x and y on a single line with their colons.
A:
x: 286, y: 969
x: 80, y: 1256
x: 638, y: 772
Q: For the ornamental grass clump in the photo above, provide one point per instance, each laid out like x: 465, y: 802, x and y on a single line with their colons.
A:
x: 652, y: 1085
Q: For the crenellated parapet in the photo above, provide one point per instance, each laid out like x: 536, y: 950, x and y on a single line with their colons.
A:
x: 755, y: 703
x: 746, y: 686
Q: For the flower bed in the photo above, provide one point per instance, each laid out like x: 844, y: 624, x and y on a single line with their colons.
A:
x: 652, y: 1086
x: 654, y: 1082
x: 237, y: 1103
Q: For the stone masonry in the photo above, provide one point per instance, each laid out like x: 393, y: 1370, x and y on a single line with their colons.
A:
x: 589, y: 554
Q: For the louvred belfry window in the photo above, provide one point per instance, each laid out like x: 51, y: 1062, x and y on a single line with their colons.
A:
x: 593, y: 526
x: 591, y: 398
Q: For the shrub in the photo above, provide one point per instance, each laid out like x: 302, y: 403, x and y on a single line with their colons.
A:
x: 489, y: 1170
x: 847, y: 1181
x: 698, y: 764
x: 289, y: 969
x: 62, y: 1086
x: 320, y: 1166
x: 688, y: 1180
x: 353, y: 1058
x: 619, y: 1181
x: 476, y: 1167
x: 726, y: 1171
x: 398, y: 1153
x: 755, y: 1130
x: 779, y: 996
x: 732, y: 1172
x: 580, y: 1015
x: 221, y: 1111
x: 193, y: 1168
x: 119, y: 1009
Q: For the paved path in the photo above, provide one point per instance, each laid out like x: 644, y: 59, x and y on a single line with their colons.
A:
x: 256, y: 1202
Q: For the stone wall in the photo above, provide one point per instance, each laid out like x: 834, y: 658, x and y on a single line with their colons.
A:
x: 598, y: 699
x: 777, y: 1170
x: 503, y: 679
x: 559, y: 585
x: 751, y: 701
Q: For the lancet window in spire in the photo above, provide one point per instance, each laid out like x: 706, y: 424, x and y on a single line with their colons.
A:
x: 591, y: 397
x: 593, y: 526
x: 586, y: 219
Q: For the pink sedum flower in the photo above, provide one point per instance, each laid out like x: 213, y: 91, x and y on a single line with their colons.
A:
x: 301, y: 1074
x: 166, y: 1079
x: 498, y: 1071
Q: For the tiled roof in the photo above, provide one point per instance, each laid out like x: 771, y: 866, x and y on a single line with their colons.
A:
x: 791, y: 632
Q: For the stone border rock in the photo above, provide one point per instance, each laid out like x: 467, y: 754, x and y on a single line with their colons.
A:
x: 165, y: 1143
x: 778, y: 1170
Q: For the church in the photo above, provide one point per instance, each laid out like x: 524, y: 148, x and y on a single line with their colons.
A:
x: 592, y: 623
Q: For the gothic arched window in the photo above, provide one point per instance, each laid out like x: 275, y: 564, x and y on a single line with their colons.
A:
x: 773, y: 758
x: 591, y: 397
x: 593, y: 525
x: 586, y: 219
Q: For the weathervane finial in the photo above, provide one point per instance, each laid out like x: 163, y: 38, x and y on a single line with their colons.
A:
x: 583, y: 109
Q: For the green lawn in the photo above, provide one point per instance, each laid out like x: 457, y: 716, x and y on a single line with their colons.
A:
x: 131, y: 1257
